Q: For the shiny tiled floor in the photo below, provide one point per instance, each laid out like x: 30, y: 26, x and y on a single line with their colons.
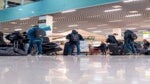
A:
x: 75, y: 70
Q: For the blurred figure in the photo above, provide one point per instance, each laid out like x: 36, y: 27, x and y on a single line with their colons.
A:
x: 25, y: 41
x: 2, y: 42
x: 112, y: 39
x: 16, y: 39
x: 129, y: 37
x: 35, y: 35
x: 103, y: 48
x: 74, y: 41
x: 146, y: 44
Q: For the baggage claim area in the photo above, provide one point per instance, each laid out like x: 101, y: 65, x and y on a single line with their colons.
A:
x: 74, y: 41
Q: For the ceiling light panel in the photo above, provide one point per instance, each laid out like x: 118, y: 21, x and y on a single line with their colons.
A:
x: 68, y: 11
x: 113, y: 10
x: 148, y: 9
x: 133, y: 15
x: 115, y: 21
x: 133, y: 11
x: 129, y: 1
x: 74, y: 25
x: 116, y: 6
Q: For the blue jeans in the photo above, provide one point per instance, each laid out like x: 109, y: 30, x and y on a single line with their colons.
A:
x: 130, y: 46
x: 71, y: 48
x: 38, y: 43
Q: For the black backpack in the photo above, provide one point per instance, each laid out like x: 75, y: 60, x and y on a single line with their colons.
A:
x: 39, y: 33
x: 74, y: 37
x: 133, y: 36
x: 130, y: 34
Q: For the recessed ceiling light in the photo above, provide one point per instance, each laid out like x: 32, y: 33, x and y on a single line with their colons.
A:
x: 148, y: 9
x: 13, y: 22
x: 97, y: 31
x: 18, y: 29
x: 94, y: 16
x: 92, y: 28
x: 117, y: 6
x: 133, y: 11
x: 24, y: 18
x: 68, y: 11
x: 131, y: 28
x: 133, y: 15
x: 113, y: 10
x: 128, y: 1
x: 102, y: 25
x: 74, y: 25
x: 115, y: 21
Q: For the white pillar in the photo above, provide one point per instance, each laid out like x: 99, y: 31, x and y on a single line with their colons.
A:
x: 1, y: 4
x: 22, y: 2
x: 5, y: 3
x: 117, y: 31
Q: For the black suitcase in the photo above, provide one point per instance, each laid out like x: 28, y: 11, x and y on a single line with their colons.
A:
x: 66, y: 47
x: 114, y: 49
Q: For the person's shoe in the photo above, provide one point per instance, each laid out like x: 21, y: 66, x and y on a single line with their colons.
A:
x: 39, y: 55
x: 29, y: 55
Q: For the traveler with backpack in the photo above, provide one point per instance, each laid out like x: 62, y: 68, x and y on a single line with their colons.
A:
x: 129, y: 37
x: 35, y: 35
x: 112, y: 39
x: 113, y: 45
x: 74, y: 40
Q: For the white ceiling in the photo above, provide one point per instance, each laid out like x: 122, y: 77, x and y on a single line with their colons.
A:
x: 95, y: 19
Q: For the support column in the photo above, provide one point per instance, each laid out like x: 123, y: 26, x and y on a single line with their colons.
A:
x: 5, y: 3
x: 22, y: 2
x: 1, y: 4
x: 117, y: 31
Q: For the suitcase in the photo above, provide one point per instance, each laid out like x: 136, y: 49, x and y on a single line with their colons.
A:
x: 10, y: 51
x: 114, y: 49
x: 66, y: 47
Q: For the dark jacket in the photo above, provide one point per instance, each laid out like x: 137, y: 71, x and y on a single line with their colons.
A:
x: 74, y: 32
x: 31, y: 34
x: 111, y: 39
x: 129, y: 36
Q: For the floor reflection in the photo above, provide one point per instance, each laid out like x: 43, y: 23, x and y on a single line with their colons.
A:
x: 75, y: 70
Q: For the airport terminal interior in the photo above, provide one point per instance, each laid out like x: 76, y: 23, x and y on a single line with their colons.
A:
x: 113, y: 40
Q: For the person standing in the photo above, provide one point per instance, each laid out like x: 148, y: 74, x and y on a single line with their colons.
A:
x: 35, y: 35
x: 74, y: 41
x: 129, y: 37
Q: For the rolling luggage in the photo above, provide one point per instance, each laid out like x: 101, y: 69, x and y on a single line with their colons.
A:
x: 10, y: 51
x: 66, y: 47
x: 114, y: 49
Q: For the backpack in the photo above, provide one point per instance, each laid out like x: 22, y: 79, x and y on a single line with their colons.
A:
x: 39, y: 33
x: 74, y: 37
x: 133, y: 36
